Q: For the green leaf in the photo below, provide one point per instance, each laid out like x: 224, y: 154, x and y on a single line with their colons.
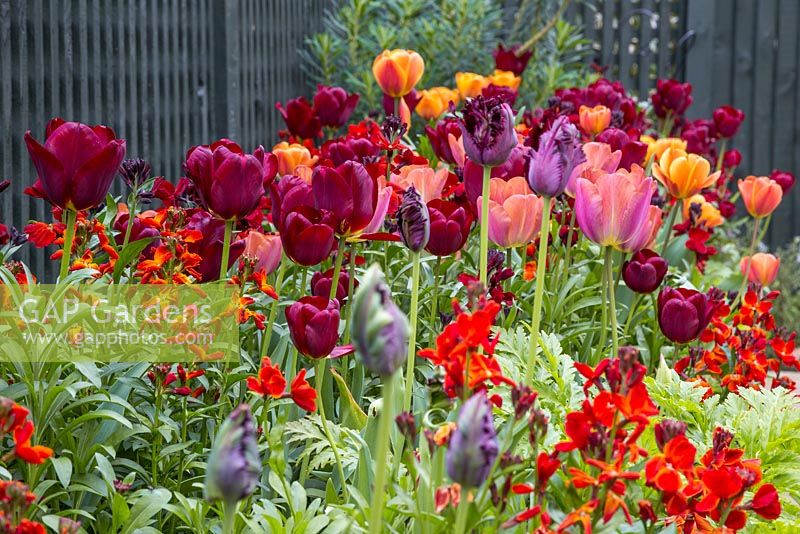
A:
x: 63, y: 468
x: 352, y: 414
x: 148, y: 503
x: 131, y: 251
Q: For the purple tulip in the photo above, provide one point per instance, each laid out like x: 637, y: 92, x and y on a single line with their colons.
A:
x: 234, y: 464
x: 645, y: 271
x: 334, y: 106
x: 76, y: 164
x: 414, y: 220
x: 314, y: 325
x: 683, y: 313
x: 473, y: 444
x: 487, y: 128
x: 379, y: 329
x: 550, y: 167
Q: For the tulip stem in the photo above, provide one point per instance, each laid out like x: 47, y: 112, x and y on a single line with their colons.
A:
x: 746, y: 274
x: 273, y: 311
x: 226, y: 250
x: 320, y: 374
x: 612, y: 299
x: 228, y: 517
x: 631, y: 312
x: 484, y: 258
x: 673, y: 212
x: 461, y: 514
x: 412, y: 334
x: 721, y: 156
x: 69, y: 236
x: 381, y: 455
x: 541, y: 262
x: 337, y: 269
x: 570, y: 232
x: 435, y: 298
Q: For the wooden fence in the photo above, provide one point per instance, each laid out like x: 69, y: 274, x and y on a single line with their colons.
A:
x: 168, y: 74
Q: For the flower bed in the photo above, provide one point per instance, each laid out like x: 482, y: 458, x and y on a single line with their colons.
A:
x: 461, y: 315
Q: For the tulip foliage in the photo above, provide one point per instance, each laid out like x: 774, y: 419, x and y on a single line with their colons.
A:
x: 461, y: 314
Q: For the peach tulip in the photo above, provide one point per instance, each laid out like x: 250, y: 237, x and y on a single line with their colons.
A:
x: 760, y: 194
x: 265, y: 248
x: 615, y: 210
x: 428, y: 182
x: 594, y: 120
x: 381, y: 207
x: 656, y: 147
x: 435, y: 101
x: 684, y: 175
x: 470, y: 84
x: 398, y: 71
x: 709, y: 217
x: 515, y: 212
x: 760, y: 268
x: 599, y: 160
x: 292, y: 156
x: 505, y: 78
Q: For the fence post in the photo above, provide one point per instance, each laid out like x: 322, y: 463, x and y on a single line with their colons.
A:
x: 699, y: 58
x: 225, y: 105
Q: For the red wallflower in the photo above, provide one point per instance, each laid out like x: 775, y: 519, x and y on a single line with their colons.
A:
x: 302, y: 393
x: 269, y: 382
x: 33, y: 454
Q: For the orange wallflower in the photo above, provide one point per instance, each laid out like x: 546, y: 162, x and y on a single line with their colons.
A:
x: 760, y: 194
x: 398, y: 71
x: 594, y: 120
x: 684, y: 175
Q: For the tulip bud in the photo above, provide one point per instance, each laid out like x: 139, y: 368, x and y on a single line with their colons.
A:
x: 473, y: 444
x: 727, y: 120
x: 645, y: 271
x: 379, y: 328
x: 683, y: 313
x: 671, y: 98
x: 550, y: 167
x: 134, y: 172
x: 414, y: 220
x: 321, y: 285
x: 234, y: 463
x: 449, y: 227
x: 314, y: 325
x: 594, y: 120
x: 668, y: 429
x: 785, y: 179
x: 301, y: 118
x: 733, y: 158
x: 334, y: 105
x: 487, y: 128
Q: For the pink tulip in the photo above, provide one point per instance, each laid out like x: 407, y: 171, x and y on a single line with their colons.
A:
x: 515, y: 212
x: 265, y: 248
x: 600, y: 159
x: 615, y: 210
x: 382, y: 206
x: 760, y: 268
x: 428, y: 182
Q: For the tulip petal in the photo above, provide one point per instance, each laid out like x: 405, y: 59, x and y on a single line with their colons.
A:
x: 90, y: 183
x: 52, y: 179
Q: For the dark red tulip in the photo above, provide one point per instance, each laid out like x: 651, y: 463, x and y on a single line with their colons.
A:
x: 359, y: 149
x: 348, y: 192
x: 321, y: 285
x: 139, y: 231
x: 334, y: 105
x: 727, y: 120
x: 301, y: 118
x: 4, y: 235
x: 502, y: 93
x: 683, y: 313
x: 450, y: 225
x: 785, y: 179
x: 732, y: 159
x: 507, y: 59
x: 229, y: 182
x: 76, y: 164
x: 439, y: 138
x: 633, y: 151
x: 700, y: 136
x: 306, y: 232
x: 671, y: 98
x: 645, y: 271
x: 473, y: 172
x: 314, y: 325
x: 210, y: 247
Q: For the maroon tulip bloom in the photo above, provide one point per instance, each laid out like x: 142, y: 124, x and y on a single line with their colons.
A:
x: 732, y: 159
x: 360, y: 149
x: 334, y: 105
x: 699, y: 136
x: 139, y: 231
x: 4, y: 235
x: 633, y: 151
x: 321, y: 285
x: 439, y: 138
x: 645, y: 271
x: 4, y: 185
x: 301, y: 118
x: 314, y: 325
x: 487, y: 127
x: 348, y: 192
x: 671, y: 98
x: 210, y: 247
x: 785, y: 179
x: 473, y: 172
x: 727, y: 120
x: 683, y: 313
x: 450, y: 225
x: 502, y: 93
x: 507, y: 59
x: 306, y: 233
x: 76, y: 164
x: 230, y: 183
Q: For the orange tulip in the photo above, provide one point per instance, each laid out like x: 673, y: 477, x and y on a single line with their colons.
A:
x: 470, y: 84
x: 435, y: 101
x: 656, y: 147
x: 709, y: 214
x: 292, y: 156
x: 684, y: 175
x: 505, y: 78
x: 761, y: 195
x: 398, y: 71
x: 515, y: 212
x: 594, y: 120
x: 762, y: 268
